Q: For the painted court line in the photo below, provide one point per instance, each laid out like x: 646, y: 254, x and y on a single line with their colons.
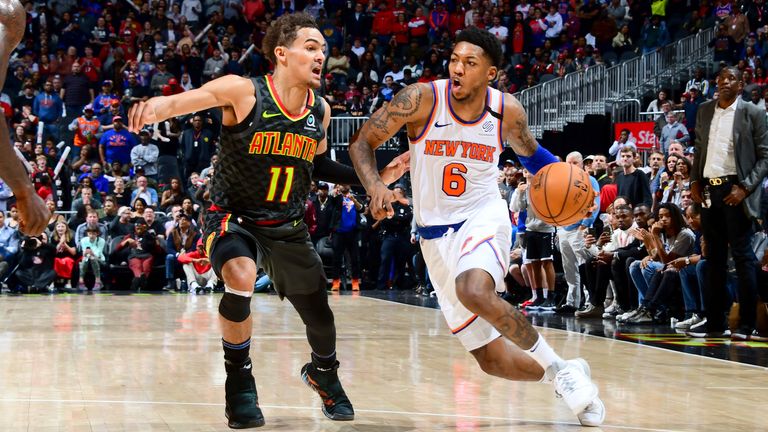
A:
x: 314, y: 408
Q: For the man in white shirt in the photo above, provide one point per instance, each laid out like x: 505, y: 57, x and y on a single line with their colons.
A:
x: 602, y: 249
x: 730, y: 163
x: 500, y: 32
x: 146, y: 154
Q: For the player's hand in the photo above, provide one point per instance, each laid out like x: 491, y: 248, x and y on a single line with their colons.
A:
x: 33, y: 214
x: 381, y: 202
x: 396, y: 168
x: 141, y: 113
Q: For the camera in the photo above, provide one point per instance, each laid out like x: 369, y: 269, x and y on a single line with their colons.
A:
x: 31, y: 243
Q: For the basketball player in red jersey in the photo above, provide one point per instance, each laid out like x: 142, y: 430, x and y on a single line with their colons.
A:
x: 272, y: 143
x: 461, y: 217
x: 32, y: 210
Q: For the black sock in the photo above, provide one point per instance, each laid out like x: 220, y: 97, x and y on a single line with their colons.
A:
x: 324, y: 362
x: 540, y: 293
x: 236, y: 353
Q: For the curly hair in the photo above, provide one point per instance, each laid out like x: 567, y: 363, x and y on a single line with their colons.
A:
x: 484, y: 40
x: 283, y: 32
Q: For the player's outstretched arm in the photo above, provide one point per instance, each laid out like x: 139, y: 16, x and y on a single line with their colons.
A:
x: 225, y: 92
x: 410, y: 107
x: 32, y: 210
x: 532, y: 155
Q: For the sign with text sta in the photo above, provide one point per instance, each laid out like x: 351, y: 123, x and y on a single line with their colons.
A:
x: 642, y: 132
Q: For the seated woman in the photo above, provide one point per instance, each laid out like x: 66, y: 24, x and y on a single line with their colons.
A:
x: 92, y: 250
x: 680, y: 181
x: 139, y: 205
x: 181, y: 240
x: 55, y: 217
x: 141, y: 245
x: 173, y: 195
x: 669, y: 239
x: 66, y: 253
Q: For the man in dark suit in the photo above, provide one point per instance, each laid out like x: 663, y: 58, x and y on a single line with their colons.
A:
x: 730, y: 163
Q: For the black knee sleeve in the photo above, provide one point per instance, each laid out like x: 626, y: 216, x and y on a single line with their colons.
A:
x: 235, y: 308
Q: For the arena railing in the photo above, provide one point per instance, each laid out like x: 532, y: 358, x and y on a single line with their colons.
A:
x: 550, y: 105
x: 342, y: 128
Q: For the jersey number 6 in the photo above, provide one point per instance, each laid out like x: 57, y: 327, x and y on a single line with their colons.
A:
x: 454, y: 183
x: 275, y: 173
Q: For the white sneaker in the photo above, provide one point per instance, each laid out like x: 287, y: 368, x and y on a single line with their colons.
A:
x: 578, y: 362
x: 611, y: 308
x: 575, y: 386
x: 686, y: 324
x: 627, y: 315
x: 593, y: 415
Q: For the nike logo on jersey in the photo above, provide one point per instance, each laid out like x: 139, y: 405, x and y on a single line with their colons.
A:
x: 438, y: 125
x: 267, y: 115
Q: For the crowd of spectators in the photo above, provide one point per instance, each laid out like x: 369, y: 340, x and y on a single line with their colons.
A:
x: 134, y: 202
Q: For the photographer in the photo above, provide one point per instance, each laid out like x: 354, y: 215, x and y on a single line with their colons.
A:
x: 36, y: 267
x: 141, y: 244
x: 344, y: 235
x: 395, y: 244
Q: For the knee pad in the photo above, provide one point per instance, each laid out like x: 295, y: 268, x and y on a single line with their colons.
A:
x: 234, y: 307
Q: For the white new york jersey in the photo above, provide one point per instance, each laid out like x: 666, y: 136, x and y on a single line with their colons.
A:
x: 454, y: 162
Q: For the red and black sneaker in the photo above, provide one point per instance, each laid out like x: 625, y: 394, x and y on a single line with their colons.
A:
x: 336, y: 404
x: 242, y: 409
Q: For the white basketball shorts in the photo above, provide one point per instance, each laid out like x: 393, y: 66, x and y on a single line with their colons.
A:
x: 483, y: 242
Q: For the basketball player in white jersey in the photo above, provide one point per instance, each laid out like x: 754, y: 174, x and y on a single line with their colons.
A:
x: 456, y: 129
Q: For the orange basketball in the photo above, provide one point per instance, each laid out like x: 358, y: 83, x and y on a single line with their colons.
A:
x: 561, y: 194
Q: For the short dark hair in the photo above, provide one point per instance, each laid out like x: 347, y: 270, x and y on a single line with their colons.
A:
x: 283, y: 32
x: 484, y: 40
x: 736, y: 71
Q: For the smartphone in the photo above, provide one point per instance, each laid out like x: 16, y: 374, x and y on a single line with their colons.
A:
x: 591, y: 231
x: 608, y: 229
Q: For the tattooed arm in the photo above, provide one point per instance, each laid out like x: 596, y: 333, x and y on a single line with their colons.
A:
x: 516, y: 126
x: 410, y: 107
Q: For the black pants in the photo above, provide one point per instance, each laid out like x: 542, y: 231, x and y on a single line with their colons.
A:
x: 395, y: 250
x: 725, y: 226
x: 661, y: 290
x: 621, y: 281
x: 342, y: 242
x: 598, y: 277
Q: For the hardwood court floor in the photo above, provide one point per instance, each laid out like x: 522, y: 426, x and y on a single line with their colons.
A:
x: 154, y: 363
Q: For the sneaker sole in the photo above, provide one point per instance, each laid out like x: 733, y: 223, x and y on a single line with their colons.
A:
x: 249, y: 425
x: 335, y: 417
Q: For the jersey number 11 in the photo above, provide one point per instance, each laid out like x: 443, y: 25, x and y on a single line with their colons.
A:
x: 275, y: 176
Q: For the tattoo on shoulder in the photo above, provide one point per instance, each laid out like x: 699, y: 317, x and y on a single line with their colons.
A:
x: 406, y: 102
x: 403, y: 105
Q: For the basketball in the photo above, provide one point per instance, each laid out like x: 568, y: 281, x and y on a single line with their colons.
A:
x: 561, y: 194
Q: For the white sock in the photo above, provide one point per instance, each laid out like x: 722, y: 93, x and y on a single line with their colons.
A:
x: 534, y: 296
x: 543, y: 354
